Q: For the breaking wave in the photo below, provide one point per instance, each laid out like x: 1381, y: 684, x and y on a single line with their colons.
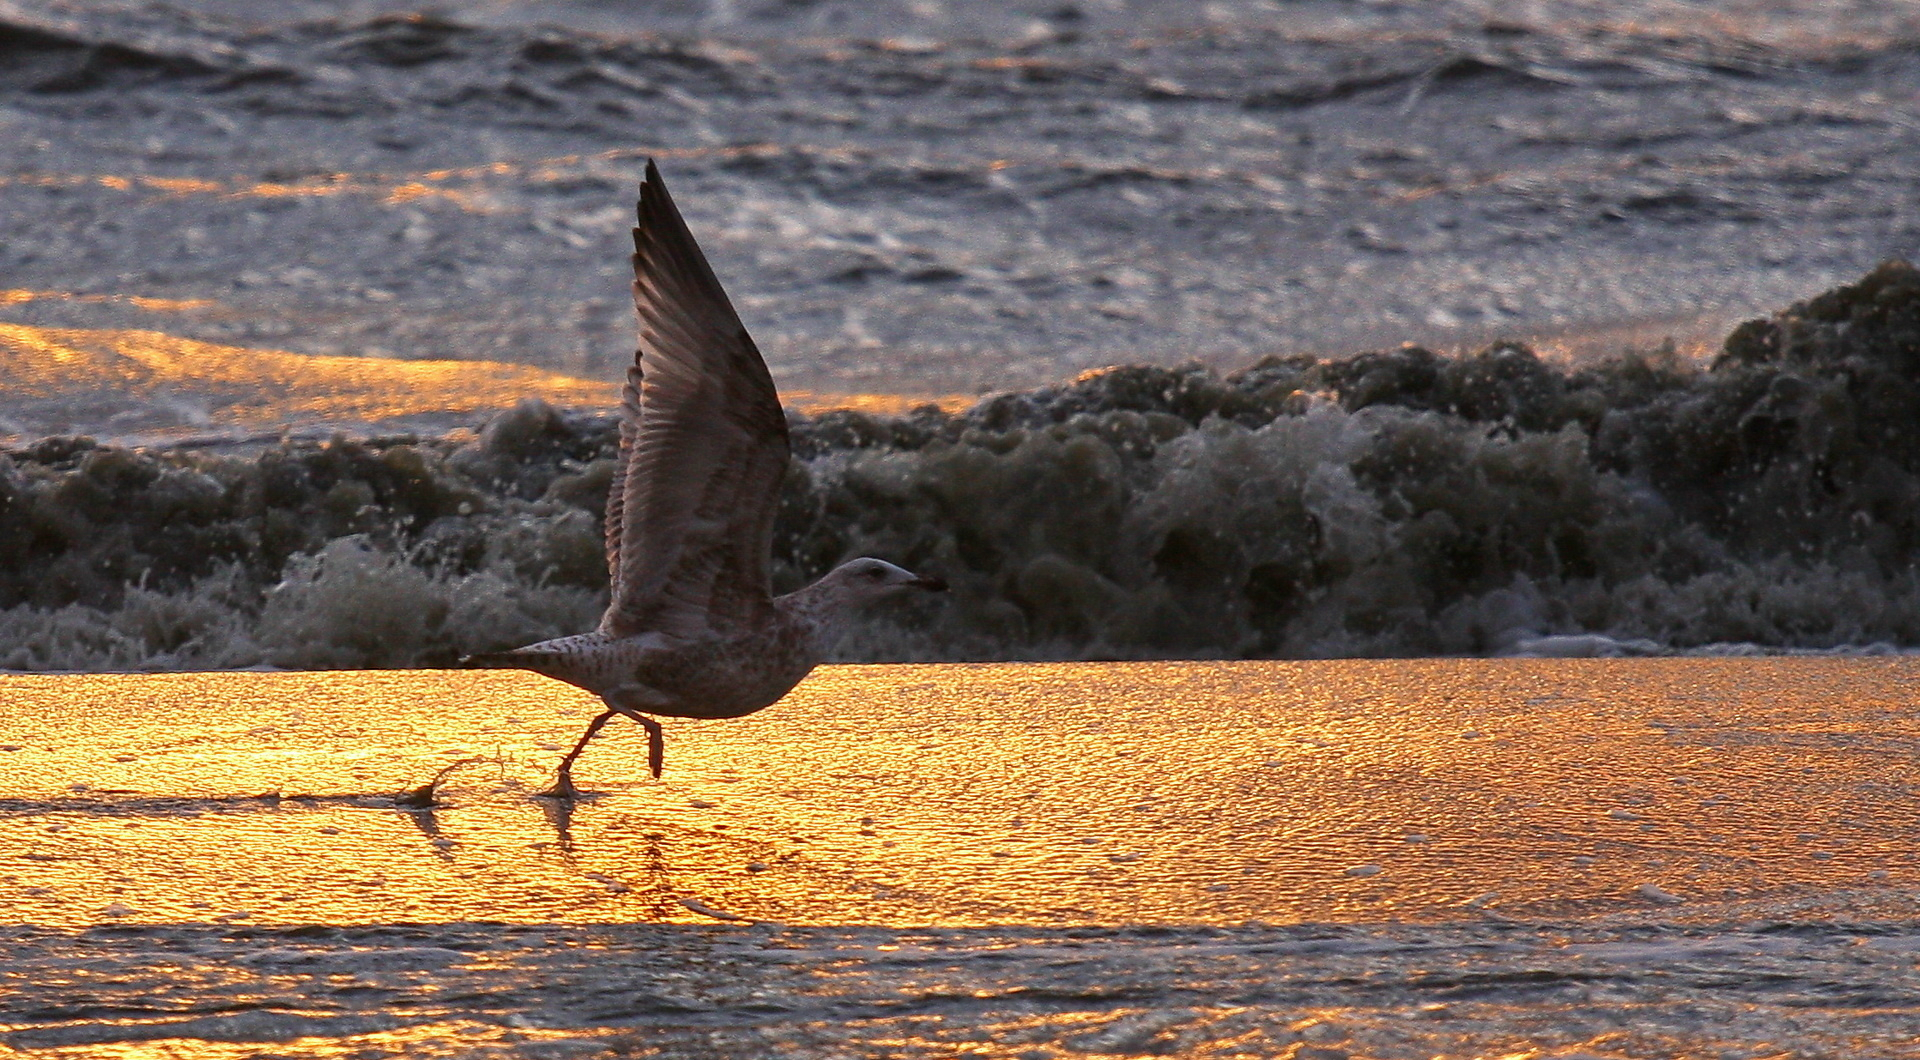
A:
x: 1392, y: 503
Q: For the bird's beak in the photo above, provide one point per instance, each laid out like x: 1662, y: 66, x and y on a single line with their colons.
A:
x: 929, y: 583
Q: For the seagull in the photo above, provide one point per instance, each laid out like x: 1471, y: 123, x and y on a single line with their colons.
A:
x: 693, y: 629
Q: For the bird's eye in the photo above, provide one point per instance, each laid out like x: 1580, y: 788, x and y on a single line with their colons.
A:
x: 876, y: 574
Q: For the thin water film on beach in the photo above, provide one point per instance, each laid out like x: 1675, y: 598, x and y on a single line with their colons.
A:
x: 1050, y: 794
x: 1614, y: 858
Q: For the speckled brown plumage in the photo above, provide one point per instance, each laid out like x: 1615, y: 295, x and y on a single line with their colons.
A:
x: 692, y: 629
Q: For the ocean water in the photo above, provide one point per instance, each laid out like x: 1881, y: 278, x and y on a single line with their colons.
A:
x: 1625, y: 858
x: 951, y: 198
x: 236, y: 231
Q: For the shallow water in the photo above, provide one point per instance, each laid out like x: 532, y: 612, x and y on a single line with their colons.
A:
x: 1631, y: 858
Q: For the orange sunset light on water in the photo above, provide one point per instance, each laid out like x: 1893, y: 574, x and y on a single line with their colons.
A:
x: 243, y: 386
x: 252, y: 385
x: 1041, y: 794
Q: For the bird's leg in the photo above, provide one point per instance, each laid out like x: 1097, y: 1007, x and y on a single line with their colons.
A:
x: 563, y: 783
x: 656, y: 740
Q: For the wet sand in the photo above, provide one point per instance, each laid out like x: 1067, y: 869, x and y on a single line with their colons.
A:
x: 1368, y: 859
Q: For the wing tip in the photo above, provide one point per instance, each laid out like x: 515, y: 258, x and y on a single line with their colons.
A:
x: 652, y: 187
x: 653, y: 191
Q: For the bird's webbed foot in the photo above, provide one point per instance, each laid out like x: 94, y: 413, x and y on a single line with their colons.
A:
x: 563, y: 781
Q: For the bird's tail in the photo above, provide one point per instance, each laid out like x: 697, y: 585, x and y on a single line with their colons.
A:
x: 506, y: 660
x: 547, y: 657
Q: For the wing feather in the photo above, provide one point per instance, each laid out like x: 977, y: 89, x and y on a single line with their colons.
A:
x: 703, y: 446
x: 617, y: 494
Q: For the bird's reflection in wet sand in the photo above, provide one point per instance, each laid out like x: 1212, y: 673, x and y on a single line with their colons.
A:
x: 426, y: 820
x: 559, y: 817
x: 646, y: 871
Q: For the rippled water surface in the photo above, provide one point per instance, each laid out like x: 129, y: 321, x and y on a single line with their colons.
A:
x: 1630, y: 858
x: 941, y: 198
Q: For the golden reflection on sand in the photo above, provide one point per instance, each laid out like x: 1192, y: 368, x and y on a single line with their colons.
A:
x: 959, y: 795
x: 245, y: 386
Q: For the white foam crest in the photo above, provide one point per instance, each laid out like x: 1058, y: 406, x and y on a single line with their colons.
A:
x: 350, y: 605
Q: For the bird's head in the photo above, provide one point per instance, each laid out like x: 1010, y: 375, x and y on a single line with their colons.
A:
x: 864, y: 579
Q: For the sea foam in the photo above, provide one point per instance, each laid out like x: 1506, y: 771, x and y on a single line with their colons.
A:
x: 1392, y: 503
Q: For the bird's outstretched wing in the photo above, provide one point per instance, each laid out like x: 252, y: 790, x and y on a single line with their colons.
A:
x: 703, y: 446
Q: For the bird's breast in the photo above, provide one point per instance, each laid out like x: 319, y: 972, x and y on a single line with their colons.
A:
x: 722, y: 677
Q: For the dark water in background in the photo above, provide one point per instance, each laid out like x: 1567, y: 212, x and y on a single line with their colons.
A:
x: 930, y: 198
x: 946, y: 197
